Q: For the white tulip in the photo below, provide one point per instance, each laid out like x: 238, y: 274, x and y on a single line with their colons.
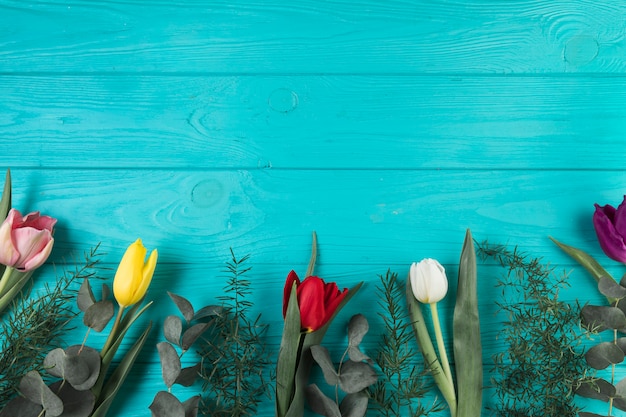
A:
x: 428, y: 281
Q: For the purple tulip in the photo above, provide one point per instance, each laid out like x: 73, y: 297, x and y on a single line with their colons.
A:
x: 610, y: 225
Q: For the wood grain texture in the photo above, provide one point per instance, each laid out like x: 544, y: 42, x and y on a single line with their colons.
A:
x: 387, y: 127
x: 330, y: 122
x: 309, y: 36
x: 362, y: 216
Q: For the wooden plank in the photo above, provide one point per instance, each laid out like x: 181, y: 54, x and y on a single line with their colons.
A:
x: 361, y: 216
x: 257, y: 36
x: 356, y: 122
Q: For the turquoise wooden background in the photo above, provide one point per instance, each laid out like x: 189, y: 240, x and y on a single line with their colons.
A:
x: 388, y: 127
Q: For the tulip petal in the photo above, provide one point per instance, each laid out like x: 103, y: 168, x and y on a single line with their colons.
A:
x: 29, y: 243
x: 37, y: 260
x: 129, y: 273
x: 611, y: 242
x: 38, y: 222
x: 291, y: 278
x: 146, y: 279
x: 8, y: 253
x: 311, y: 302
x: 619, y: 219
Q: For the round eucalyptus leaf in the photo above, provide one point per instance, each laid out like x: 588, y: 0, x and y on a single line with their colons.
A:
x: 106, y: 292
x: 600, y: 318
x: 322, y: 357
x: 320, y: 403
x: 172, y: 329
x: 188, y: 375
x: 192, y: 334
x: 621, y: 343
x: 184, y: 306
x: 355, y: 354
x: 587, y: 414
x: 620, y: 395
x: 85, y: 298
x: 32, y: 387
x: 166, y: 405
x: 604, y: 354
x: 191, y: 406
x: 75, y: 403
x: 611, y: 289
x: 170, y: 363
x: 357, y: 328
x: 209, y: 311
x: 89, y: 358
x: 356, y: 376
x: 54, y: 362
x: 21, y: 407
x: 354, y: 405
x: 98, y: 315
x: 596, y: 388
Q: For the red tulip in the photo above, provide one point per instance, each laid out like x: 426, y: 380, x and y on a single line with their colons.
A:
x: 317, y: 300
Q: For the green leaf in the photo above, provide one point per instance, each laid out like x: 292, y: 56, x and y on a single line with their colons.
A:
x: 208, y: 311
x: 595, y: 388
x: 16, y: 282
x: 79, y: 365
x: 600, y: 318
x: 172, y: 329
x: 183, y: 305
x: 585, y: 260
x: 620, y: 395
x: 5, y: 202
x: 611, y: 289
x: 188, y: 375
x: 21, y: 407
x: 357, y: 329
x: 166, y: 405
x: 193, y: 333
x: 85, y: 297
x: 322, y: 357
x: 118, y: 377
x: 356, y: 376
x: 76, y: 403
x: 287, y: 362
x: 191, y: 406
x: 354, y: 405
x: 98, y: 315
x: 603, y: 355
x: 170, y: 363
x: 467, y: 343
x: 33, y: 388
x: 320, y: 403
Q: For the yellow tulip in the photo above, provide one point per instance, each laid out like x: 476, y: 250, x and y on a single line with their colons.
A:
x: 133, y: 276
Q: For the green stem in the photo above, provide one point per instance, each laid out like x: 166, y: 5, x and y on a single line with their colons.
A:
x: 6, y: 277
x: 440, y: 344
x: 113, y: 334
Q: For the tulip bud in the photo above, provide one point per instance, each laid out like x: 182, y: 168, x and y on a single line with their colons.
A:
x: 317, y: 300
x: 428, y: 281
x: 133, y: 276
x: 610, y: 225
x: 26, y: 242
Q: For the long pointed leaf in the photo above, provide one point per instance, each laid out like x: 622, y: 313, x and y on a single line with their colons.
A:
x: 584, y: 259
x: 5, y: 202
x: 467, y: 344
x: 288, y: 355
x: 113, y: 385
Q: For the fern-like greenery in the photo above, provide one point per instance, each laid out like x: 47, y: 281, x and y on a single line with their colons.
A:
x: 402, y: 385
x: 234, y: 355
x: 33, y: 325
x: 543, y: 359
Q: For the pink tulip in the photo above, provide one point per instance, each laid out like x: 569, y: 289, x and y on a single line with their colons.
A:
x: 25, y: 242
